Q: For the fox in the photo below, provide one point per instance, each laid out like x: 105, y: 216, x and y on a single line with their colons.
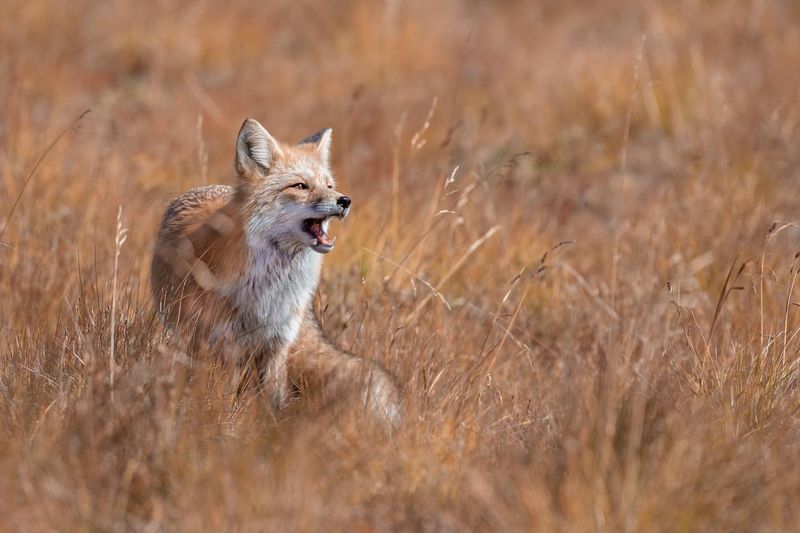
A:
x: 236, y: 268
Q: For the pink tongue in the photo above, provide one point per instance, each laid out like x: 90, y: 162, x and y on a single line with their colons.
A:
x: 322, y: 238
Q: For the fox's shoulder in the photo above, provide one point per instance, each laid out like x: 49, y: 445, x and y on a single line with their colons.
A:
x: 195, y: 206
x: 200, y: 233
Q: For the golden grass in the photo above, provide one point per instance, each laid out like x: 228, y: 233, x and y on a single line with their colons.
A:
x: 621, y: 353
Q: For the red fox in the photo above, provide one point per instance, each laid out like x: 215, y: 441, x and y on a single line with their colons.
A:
x: 236, y: 268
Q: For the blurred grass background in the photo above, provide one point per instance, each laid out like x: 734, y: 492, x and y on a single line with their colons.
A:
x: 562, y: 244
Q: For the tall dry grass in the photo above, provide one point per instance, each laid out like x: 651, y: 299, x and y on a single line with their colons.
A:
x: 562, y: 244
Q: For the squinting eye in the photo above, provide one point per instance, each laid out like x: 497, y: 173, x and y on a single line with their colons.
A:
x: 330, y: 186
x: 301, y: 186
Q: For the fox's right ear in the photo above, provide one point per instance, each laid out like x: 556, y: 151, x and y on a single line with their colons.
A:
x: 256, y: 149
x: 322, y: 141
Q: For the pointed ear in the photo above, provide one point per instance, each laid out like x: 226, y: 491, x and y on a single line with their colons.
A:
x: 256, y: 149
x: 322, y: 141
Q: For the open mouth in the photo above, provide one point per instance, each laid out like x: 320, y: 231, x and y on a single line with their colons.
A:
x: 318, y: 229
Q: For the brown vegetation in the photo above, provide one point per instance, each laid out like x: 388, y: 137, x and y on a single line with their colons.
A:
x: 561, y: 243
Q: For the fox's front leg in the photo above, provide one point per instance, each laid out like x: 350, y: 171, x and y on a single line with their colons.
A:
x: 265, y: 373
x: 274, y: 379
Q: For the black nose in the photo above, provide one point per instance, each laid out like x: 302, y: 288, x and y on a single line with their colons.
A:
x: 344, y: 201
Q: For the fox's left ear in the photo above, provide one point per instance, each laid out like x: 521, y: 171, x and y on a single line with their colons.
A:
x: 256, y: 149
x: 322, y: 141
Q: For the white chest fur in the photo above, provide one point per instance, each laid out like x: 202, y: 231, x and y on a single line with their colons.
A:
x: 272, y: 294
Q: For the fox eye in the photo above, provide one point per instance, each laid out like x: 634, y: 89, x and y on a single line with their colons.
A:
x: 300, y: 185
x: 330, y: 186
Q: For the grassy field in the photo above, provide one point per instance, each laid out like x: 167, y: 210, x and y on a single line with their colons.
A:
x: 573, y: 241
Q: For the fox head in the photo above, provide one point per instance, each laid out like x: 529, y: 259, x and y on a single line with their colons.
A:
x: 287, y: 191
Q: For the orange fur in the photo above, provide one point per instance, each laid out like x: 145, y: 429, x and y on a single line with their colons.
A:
x: 235, y: 269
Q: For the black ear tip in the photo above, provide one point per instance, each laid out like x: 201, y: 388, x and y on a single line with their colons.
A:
x: 317, y: 137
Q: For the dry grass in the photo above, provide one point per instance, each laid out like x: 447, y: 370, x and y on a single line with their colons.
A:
x: 642, y: 376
